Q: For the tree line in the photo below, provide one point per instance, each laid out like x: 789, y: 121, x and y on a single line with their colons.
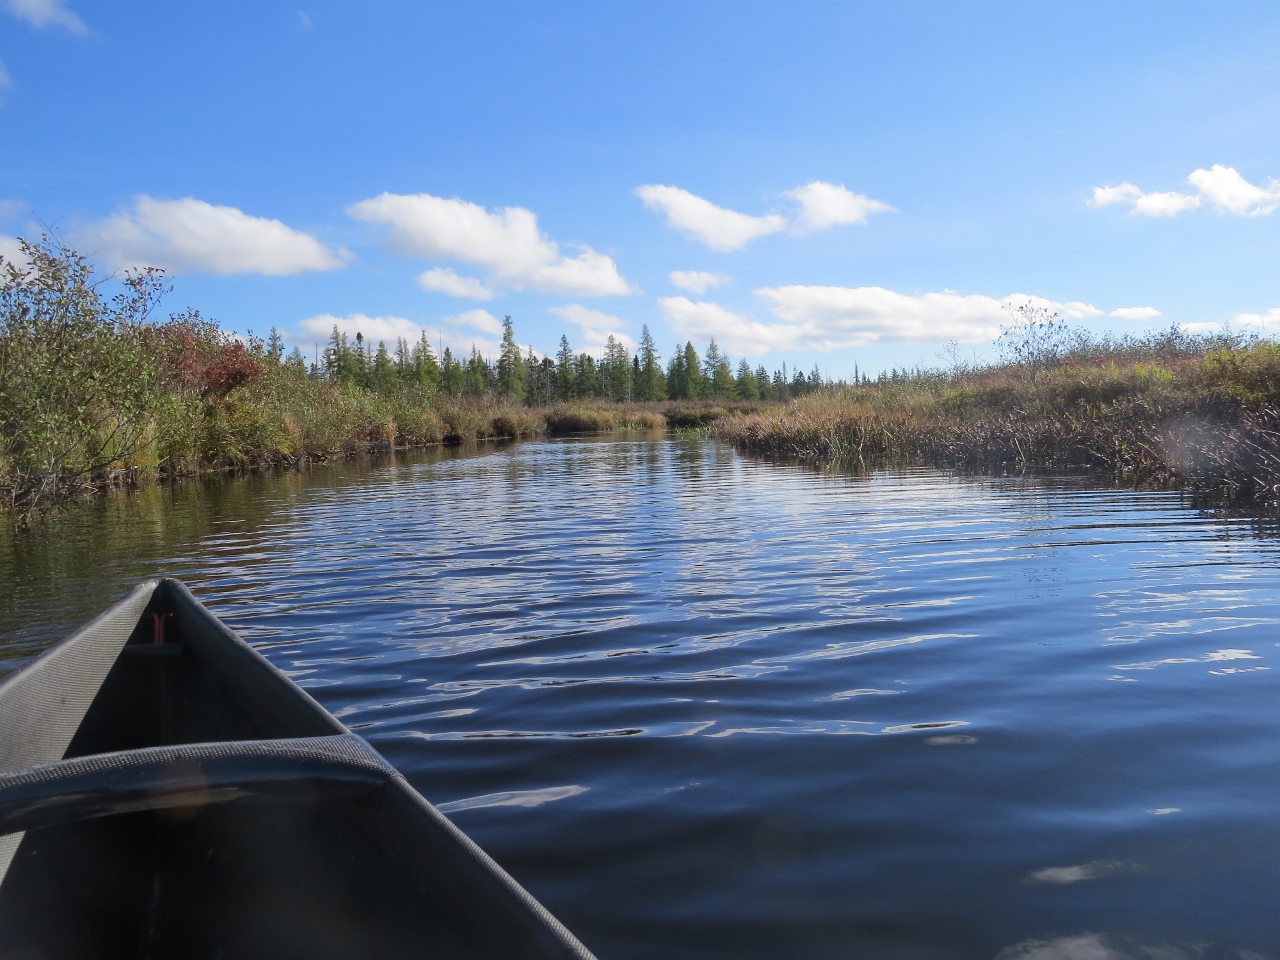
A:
x: 618, y: 374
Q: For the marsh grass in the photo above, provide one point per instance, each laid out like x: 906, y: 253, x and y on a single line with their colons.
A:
x: 1170, y: 409
x: 602, y: 417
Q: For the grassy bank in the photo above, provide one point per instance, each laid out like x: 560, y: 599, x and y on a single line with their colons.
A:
x: 1163, y: 409
x: 95, y: 391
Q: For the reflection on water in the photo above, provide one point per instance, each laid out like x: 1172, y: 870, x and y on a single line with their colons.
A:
x: 706, y: 707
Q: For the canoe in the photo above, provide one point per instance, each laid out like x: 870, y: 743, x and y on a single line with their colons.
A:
x: 167, y: 792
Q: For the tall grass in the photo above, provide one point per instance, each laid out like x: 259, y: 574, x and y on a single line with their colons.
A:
x: 1167, y: 408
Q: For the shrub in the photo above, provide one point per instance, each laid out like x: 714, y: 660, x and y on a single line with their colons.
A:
x: 77, y: 383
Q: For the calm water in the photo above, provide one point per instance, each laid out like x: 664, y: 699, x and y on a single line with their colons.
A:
x: 705, y: 707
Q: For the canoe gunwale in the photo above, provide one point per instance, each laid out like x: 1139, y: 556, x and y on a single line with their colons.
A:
x: 144, y: 734
x: 339, y: 769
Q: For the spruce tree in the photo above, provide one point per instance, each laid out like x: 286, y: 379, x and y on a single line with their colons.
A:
x: 745, y: 382
x: 510, y: 363
x: 564, y: 380
x: 650, y: 384
x: 695, y: 386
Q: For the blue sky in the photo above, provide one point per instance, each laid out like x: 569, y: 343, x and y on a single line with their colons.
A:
x: 807, y: 182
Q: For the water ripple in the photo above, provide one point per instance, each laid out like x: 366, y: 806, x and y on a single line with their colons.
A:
x: 707, y: 707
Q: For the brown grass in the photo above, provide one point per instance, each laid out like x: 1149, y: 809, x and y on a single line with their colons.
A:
x: 1211, y: 421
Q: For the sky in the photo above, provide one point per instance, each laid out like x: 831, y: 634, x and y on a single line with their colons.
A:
x: 833, y: 183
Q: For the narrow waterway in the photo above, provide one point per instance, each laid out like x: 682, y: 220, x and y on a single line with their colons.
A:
x: 706, y: 707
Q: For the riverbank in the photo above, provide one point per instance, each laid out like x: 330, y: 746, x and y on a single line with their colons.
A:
x: 1202, y: 413
x: 95, y: 393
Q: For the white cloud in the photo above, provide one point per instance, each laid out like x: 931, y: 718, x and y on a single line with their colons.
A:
x: 596, y: 326
x: 481, y: 320
x: 46, y: 13
x: 696, y: 281
x: 1144, y: 204
x: 1227, y: 190
x: 444, y: 280
x: 11, y: 252
x: 717, y: 227
x: 5, y: 80
x: 305, y: 20
x: 1121, y: 193
x: 454, y: 332
x: 826, y: 205
x: 1168, y: 204
x: 372, y: 328
x: 1221, y: 186
x: 822, y: 205
x: 830, y: 318
x: 1070, y: 310
x: 701, y: 320
x: 1265, y: 324
x: 190, y: 235
x: 1136, y: 313
x: 1268, y: 322
x: 506, y: 242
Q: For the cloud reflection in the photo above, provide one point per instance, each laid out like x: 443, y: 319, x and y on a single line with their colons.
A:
x: 1092, y: 946
x: 1079, y: 872
x: 513, y: 798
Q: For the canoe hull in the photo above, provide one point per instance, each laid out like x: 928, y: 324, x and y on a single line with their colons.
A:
x: 228, y: 869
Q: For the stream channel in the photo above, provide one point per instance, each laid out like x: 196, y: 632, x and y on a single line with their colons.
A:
x: 707, y: 707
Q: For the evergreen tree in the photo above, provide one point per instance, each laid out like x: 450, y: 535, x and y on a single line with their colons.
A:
x: 677, y: 376
x: 718, y: 372
x: 340, y: 361
x: 764, y: 386
x: 745, y: 382
x: 697, y: 383
x: 539, y: 382
x: 402, y: 358
x: 452, y: 378
x: 510, y: 363
x: 780, y: 389
x: 586, y: 382
x: 799, y: 385
x: 275, y: 346
x: 615, y: 371
x: 564, y: 377
x: 650, y: 383
x: 382, y: 372
x: 425, y: 371
x: 476, y: 382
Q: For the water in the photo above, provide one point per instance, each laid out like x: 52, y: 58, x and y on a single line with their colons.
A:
x: 705, y: 707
